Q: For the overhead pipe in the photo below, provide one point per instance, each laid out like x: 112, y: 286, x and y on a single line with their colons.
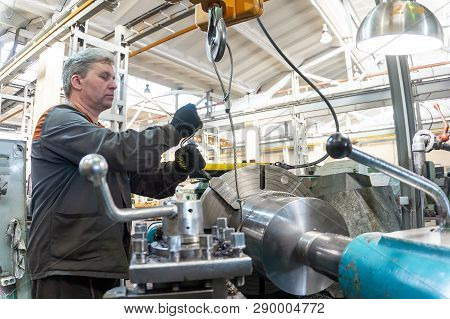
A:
x: 371, y: 75
x: 10, y: 115
x: 163, y: 40
x: 141, y: 18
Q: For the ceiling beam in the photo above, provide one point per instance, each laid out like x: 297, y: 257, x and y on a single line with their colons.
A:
x: 316, y: 61
x: 158, y: 26
x: 11, y: 113
x: 181, y: 79
x: 237, y: 85
x: 276, y: 110
x: 149, y: 100
x: 319, y: 78
x: 279, y: 85
x: 335, y: 15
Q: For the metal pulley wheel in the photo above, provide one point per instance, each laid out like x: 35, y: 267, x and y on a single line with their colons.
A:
x: 216, y: 39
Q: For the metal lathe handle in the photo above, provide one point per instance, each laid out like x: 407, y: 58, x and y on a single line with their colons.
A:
x: 95, y: 168
x: 340, y: 146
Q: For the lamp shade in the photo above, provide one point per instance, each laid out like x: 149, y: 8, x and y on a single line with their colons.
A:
x: 400, y: 28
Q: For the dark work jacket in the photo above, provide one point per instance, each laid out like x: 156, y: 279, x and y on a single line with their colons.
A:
x: 70, y: 235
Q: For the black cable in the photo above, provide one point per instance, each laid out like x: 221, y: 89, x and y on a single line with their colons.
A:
x: 323, y: 97
x: 431, y: 116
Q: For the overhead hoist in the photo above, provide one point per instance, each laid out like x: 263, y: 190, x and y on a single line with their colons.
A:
x: 213, y: 16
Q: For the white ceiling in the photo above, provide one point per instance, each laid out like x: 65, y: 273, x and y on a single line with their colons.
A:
x: 294, y: 24
x: 181, y: 63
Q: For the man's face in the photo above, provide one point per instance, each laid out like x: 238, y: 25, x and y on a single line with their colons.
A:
x: 97, y: 88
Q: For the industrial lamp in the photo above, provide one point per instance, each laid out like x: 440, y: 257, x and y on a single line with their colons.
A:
x: 326, y: 37
x: 396, y: 27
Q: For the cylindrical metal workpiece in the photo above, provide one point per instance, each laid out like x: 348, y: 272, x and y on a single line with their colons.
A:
x: 322, y: 252
x: 273, y: 225
x: 276, y: 212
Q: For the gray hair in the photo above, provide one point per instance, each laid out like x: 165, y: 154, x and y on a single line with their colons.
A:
x: 81, y: 62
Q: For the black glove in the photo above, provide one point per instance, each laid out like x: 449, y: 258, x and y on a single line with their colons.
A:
x: 188, y: 159
x: 186, y: 120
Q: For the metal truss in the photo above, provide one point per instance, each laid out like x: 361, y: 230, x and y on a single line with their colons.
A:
x: 82, y: 11
x: 278, y: 109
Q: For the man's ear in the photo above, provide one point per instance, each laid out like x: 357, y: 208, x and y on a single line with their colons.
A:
x: 75, y: 82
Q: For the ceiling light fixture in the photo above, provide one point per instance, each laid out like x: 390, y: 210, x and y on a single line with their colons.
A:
x: 326, y: 36
x: 396, y: 27
x: 147, y: 89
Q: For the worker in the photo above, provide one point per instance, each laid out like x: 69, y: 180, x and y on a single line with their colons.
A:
x: 74, y: 250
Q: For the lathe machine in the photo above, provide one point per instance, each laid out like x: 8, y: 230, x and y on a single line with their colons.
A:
x: 298, y: 243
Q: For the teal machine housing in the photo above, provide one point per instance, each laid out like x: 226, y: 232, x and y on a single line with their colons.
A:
x: 410, y: 264
x: 14, y: 277
x: 405, y: 264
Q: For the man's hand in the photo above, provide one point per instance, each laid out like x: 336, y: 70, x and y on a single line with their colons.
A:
x: 186, y: 120
x: 188, y: 159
